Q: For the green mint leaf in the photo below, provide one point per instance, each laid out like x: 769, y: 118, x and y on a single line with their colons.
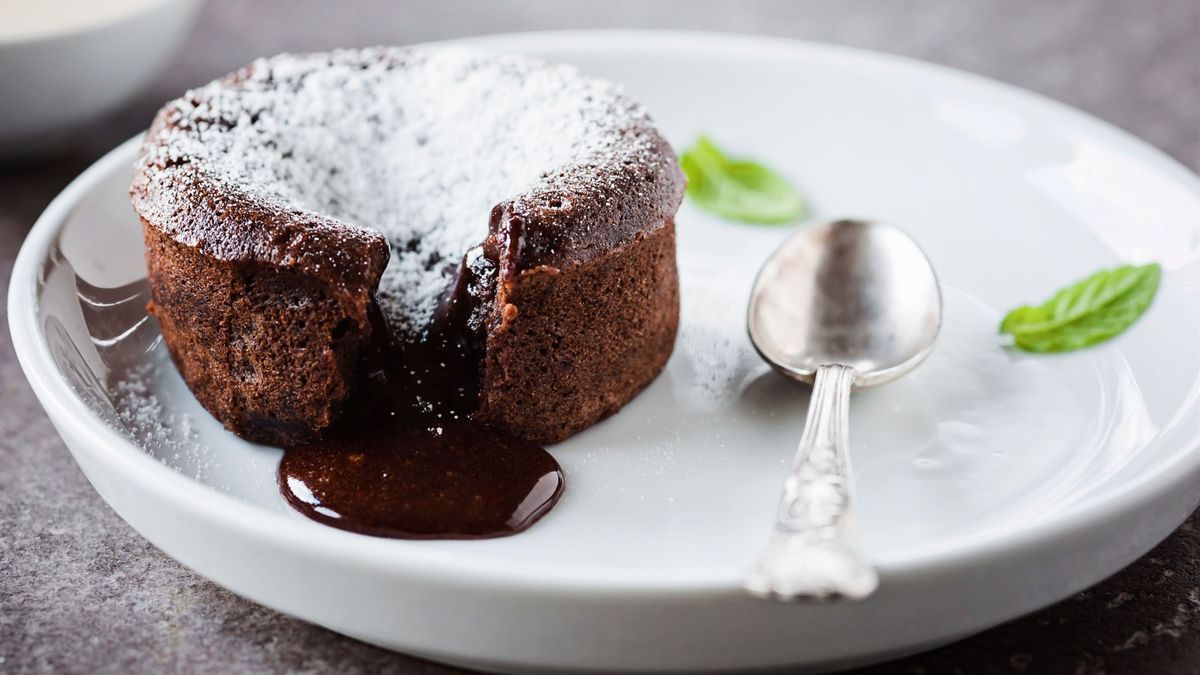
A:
x: 738, y: 189
x: 1085, y: 313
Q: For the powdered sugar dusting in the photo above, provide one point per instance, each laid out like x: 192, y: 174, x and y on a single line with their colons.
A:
x: 156, y: 426
x: 416, y: 144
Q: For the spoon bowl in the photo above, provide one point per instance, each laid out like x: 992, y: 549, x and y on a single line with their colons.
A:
x: 840, y: 304
x: 849, y: 292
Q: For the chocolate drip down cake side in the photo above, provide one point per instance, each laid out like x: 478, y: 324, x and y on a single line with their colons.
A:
x: 501, y: 227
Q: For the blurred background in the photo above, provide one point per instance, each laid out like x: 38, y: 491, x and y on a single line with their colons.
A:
x: 1135, y: 64
x: 95, y: 596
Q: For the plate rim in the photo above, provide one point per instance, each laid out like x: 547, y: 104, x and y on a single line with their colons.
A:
x: 355, y: 551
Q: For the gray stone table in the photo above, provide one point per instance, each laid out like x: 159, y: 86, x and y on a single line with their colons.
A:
x: 81, y: 592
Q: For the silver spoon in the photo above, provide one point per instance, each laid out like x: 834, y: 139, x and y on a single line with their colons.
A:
x: 843, y: 304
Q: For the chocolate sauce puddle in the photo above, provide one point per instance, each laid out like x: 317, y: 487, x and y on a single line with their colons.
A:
x: 409, y: 482
x: 407, y: 464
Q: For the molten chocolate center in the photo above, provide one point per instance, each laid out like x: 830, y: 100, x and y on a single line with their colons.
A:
x: 406, y: 462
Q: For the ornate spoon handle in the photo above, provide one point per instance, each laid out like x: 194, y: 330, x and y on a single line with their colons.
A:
x: 813, y: 552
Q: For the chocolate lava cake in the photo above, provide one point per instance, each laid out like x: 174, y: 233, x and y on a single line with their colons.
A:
x: 308, y: 208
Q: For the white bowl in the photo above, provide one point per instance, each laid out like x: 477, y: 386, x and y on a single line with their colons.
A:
x: 991, y: 482
x: 53, y: 81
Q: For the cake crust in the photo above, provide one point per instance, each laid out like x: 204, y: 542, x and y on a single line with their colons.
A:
x: 571, y: 346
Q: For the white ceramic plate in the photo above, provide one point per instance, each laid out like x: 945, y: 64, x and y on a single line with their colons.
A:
x: 992, y: 483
